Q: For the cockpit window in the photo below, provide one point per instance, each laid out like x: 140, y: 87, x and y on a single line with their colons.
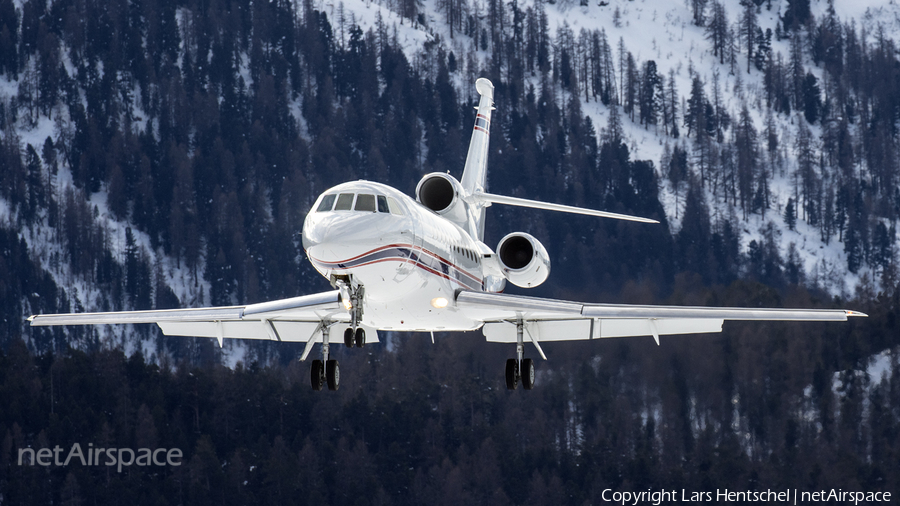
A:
x: 365, y: 202
x: 326, y: 204
x: 395, y: 207
x: 344, y: 202
x: 383, y: 204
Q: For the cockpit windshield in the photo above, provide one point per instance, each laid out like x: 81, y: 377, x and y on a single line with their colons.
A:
x: 327, y: 203
x: 344, y: 202
x: 364, y: 202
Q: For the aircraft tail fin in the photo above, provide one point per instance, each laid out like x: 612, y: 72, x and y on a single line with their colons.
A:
x: 475, y: 172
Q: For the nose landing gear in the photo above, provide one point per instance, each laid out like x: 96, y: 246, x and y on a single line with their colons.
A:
x: 352, y: 297
x: 327, y: 371
x: 355, y: 338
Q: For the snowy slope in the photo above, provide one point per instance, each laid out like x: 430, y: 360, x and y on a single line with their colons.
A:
x: 664, y: 32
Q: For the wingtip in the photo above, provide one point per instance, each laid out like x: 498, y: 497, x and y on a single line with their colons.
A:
x: 856, y: 313
x: 31, y: 318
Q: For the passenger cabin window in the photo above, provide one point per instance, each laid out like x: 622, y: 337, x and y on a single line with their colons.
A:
x: 344, y: 202
x: 326, y: 204
x: 383, y: 204
x: 365, y: 203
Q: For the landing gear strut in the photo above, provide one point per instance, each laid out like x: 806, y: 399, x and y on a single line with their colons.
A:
x: 352, y: 298
x: 520, y: 368
x: 325, y: 371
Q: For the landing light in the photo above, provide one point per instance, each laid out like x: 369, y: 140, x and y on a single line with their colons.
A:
x: 439, y: 302
x: 345, y: 296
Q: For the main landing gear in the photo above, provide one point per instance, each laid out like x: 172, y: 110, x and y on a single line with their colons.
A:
x: 325, y: 371
x: 517, y: 371
x: 520, y: 369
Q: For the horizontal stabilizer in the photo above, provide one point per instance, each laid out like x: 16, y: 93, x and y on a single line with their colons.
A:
x: 514, y: 201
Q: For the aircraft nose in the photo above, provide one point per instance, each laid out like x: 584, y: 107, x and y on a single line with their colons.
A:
x: 328, y: 234
x: 325, y: 229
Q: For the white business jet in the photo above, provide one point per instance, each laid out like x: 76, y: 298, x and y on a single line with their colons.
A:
x: 405, y: 265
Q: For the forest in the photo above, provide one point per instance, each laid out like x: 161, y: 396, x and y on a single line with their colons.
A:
x: 208, y: 128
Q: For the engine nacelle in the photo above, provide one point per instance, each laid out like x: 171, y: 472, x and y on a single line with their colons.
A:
x: 442, y: 194
x: 524, y: 260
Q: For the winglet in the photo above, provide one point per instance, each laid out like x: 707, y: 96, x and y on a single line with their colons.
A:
x: 856, y: 313
x: 31, y: 318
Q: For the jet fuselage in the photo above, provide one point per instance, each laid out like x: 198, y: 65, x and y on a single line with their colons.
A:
x: 410, y: 260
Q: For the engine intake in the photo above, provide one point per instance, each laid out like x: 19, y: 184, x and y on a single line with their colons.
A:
x: 524, y: 260
x: 441, y: 193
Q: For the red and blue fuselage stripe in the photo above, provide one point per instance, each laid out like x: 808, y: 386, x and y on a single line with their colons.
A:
x: 422, y: 258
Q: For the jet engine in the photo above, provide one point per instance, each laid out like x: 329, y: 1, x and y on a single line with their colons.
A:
x: 441, y: 193
x: 524, y: 260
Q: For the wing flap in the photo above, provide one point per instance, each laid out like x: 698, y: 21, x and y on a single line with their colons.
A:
x: 285, y: 331
x: 574, y: 330
x: 543, y: 331
x: 665, y: 326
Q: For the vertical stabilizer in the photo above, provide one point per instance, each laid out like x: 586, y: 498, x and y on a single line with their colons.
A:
x: 475, y: 172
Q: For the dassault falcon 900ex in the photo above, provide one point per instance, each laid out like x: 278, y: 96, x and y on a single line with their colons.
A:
x: 399, y: 264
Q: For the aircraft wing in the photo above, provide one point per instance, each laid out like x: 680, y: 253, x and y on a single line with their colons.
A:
x: 558, y: 320
x: 297, y: 319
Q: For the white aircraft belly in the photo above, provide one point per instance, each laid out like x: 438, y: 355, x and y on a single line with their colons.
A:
x: 402, y: 301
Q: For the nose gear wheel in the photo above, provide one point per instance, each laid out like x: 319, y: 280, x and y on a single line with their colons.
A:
x: 349, y: 338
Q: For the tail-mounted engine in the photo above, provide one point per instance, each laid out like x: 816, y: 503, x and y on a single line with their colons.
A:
x: 524, y: 260
x: 442, y: 193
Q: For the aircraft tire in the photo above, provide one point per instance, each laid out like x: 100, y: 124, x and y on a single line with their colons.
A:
x: 512, y: 381
x: 360, y: 337
x: 527, y: 374
x: 317, y: 375
x: 348, y: 337
x: 333, y: 374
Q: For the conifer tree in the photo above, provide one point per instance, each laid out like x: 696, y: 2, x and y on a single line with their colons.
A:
x: 790, y: 214
x: 717, y: 30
